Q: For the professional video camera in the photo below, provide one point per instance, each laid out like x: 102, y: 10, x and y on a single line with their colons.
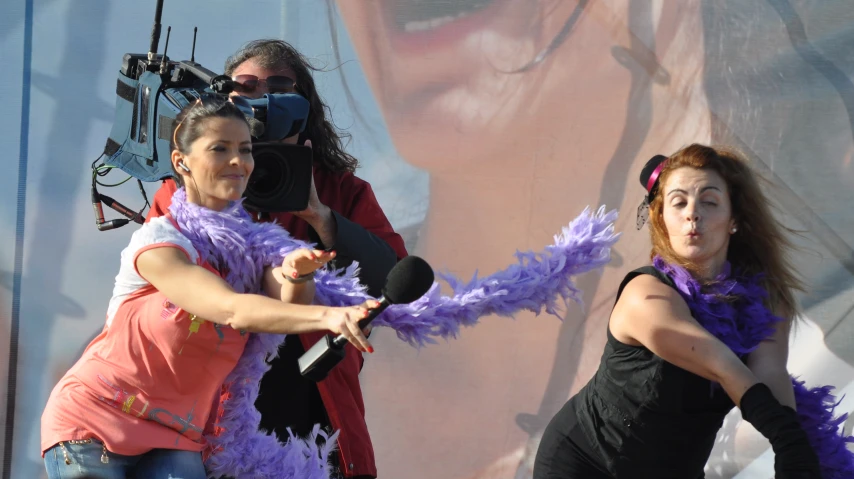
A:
x: 152, y: 90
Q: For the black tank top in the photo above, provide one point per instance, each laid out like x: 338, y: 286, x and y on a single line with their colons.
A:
x: 645, y: 417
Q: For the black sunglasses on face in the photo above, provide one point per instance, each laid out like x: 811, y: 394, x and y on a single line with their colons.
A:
x: 274, y: 83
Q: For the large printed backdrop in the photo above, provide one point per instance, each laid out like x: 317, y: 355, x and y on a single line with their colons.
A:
x: 483, y: 126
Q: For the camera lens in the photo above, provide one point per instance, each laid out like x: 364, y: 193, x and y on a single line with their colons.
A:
x: 271, y: 176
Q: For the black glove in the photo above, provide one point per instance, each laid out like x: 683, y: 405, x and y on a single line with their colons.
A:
x: 794, y: 458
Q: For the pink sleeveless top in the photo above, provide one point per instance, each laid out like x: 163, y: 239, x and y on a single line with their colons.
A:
x: 153, y: 375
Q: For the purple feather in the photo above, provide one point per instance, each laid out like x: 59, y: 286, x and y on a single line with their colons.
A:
x: 534, y: 283
x: 742, y: 324
x: 816, y: 407
x: 238, y: 451
x: 232, y: 242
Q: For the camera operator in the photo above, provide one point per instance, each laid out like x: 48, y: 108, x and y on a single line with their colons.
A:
x: 342, y: 215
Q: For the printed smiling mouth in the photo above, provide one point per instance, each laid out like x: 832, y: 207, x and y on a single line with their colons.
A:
x: 421, y: 15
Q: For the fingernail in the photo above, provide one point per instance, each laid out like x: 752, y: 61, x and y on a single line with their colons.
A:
x: 313, y: 256
x: 371, y: 350
x: 366, y: 313
x: 294, y: 274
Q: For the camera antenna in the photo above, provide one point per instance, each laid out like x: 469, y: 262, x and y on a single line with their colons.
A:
x: 193, y: 51
x: 155, y: 31
x: 165, y: 63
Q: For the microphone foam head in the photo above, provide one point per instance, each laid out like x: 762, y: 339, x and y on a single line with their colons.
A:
x: 410, y: 278
x: 256, y: 127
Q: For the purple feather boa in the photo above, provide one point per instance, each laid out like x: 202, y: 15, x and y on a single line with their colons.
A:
x: 231, y: 241
x: 534, y: 283
x: 742, y: 325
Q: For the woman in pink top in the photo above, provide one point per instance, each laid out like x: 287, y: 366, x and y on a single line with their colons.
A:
x: 138, y: 401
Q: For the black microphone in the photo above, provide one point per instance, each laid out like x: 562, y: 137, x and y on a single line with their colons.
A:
x: 410, y: 278
x: 256, y: 127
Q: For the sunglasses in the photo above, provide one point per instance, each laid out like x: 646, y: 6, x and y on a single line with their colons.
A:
x: 274, y: 83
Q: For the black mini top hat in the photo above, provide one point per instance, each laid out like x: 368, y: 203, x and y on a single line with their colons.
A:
x: 650, y: 173
x: 649, y: 180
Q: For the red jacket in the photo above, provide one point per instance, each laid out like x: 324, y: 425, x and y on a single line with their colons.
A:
x: 352, y: 199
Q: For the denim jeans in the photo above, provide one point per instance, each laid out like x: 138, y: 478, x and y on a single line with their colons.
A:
x: 155, y: 464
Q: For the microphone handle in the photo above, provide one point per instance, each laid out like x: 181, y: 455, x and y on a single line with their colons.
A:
x: 112, y: 224
x: 341, y: 340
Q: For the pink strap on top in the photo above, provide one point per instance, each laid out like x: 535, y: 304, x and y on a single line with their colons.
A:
x: 654, y: 176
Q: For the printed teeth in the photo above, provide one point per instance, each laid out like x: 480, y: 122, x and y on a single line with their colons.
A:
x: 420, y: 26
x: 429, y: 22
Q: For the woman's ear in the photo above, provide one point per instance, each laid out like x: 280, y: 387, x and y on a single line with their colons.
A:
x: 176, y: 157
x: 178, y: 164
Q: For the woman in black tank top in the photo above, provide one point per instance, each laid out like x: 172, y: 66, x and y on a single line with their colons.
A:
x: 691, y: 336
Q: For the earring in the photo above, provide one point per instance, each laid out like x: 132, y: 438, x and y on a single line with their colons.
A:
x: 733, y: 230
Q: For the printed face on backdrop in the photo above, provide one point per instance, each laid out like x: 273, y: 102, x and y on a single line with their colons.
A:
x: 450, y: 71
